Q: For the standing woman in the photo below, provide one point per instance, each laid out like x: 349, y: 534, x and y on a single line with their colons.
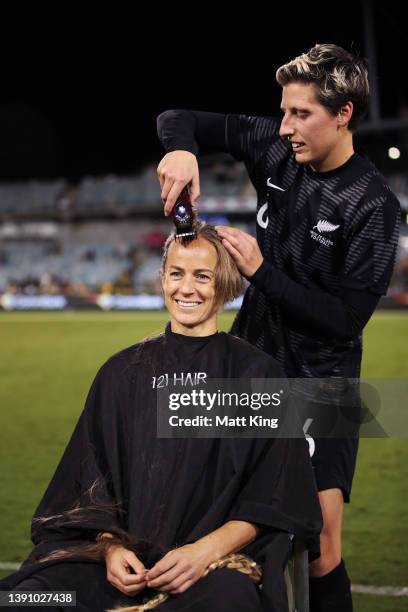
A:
x: 327, y: 229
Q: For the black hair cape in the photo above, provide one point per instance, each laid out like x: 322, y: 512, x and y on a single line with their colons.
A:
x: 118, y: 476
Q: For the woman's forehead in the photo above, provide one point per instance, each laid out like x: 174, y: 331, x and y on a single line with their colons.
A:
x: 298, y: 95
x: 198, y: 253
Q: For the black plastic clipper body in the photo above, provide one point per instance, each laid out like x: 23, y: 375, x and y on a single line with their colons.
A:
x: 183, y: 217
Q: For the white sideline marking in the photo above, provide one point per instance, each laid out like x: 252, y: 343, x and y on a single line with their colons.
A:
x: 10, y: 566
x: 356, y: 588
x: 376, y: 590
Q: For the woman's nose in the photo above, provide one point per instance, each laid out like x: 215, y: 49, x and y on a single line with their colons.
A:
x: 285, y: 129
x: 187, y: 285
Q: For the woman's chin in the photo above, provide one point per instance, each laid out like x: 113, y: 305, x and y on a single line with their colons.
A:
x: 205, y: 326
x: 188, y: 319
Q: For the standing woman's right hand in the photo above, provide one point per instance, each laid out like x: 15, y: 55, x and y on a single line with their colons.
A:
x: 176, y: 170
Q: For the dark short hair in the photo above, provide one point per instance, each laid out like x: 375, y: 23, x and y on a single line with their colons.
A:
x: 338, y: 76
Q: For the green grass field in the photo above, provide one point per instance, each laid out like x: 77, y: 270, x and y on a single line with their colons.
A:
x: 47, y: 362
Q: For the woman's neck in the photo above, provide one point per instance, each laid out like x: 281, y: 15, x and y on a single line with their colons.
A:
x: 206, y: 328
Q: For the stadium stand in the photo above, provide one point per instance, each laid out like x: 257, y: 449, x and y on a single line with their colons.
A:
x: 104, y: 235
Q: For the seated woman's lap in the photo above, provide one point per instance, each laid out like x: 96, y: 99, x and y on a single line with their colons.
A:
x: 223, y: 590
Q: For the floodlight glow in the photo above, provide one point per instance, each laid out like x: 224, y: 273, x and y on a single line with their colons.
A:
x: 394, y: 153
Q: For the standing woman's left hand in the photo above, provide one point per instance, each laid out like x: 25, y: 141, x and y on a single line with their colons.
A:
x: 243, y: 248
x: 180, y: 568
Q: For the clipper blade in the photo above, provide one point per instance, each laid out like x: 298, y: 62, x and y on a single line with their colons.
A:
x: 184, y: 218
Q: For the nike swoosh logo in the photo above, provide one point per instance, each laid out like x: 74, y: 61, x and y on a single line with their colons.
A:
x: 268, y: 182
x: 262, y: 216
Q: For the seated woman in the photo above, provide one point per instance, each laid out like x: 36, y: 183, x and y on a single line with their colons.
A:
x: 129, y: 515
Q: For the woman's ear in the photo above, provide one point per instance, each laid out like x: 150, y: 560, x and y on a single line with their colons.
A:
x: 344, y: 115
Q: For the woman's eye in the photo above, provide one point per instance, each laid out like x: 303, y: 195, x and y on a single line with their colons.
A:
x: 203, y: 277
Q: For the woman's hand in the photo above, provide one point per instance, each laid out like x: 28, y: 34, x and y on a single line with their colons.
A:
x: 176, y: 170
x: 242, y: 247
x: 119, y: 562
x: 180, y: 568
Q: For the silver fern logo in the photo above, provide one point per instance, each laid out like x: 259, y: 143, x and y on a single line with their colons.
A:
x: 325, y: 226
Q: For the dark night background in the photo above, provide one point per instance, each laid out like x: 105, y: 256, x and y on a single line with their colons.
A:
x: 80, y: 93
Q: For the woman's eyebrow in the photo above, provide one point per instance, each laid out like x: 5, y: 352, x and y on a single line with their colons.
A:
x: 195, y: 270
x: 296, y: 108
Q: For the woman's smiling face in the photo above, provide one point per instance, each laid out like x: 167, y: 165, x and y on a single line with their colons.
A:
x: 188, y: 284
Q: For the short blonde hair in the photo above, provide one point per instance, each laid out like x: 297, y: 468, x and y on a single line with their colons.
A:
x: 228, y: 280
x: 338, y: 76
